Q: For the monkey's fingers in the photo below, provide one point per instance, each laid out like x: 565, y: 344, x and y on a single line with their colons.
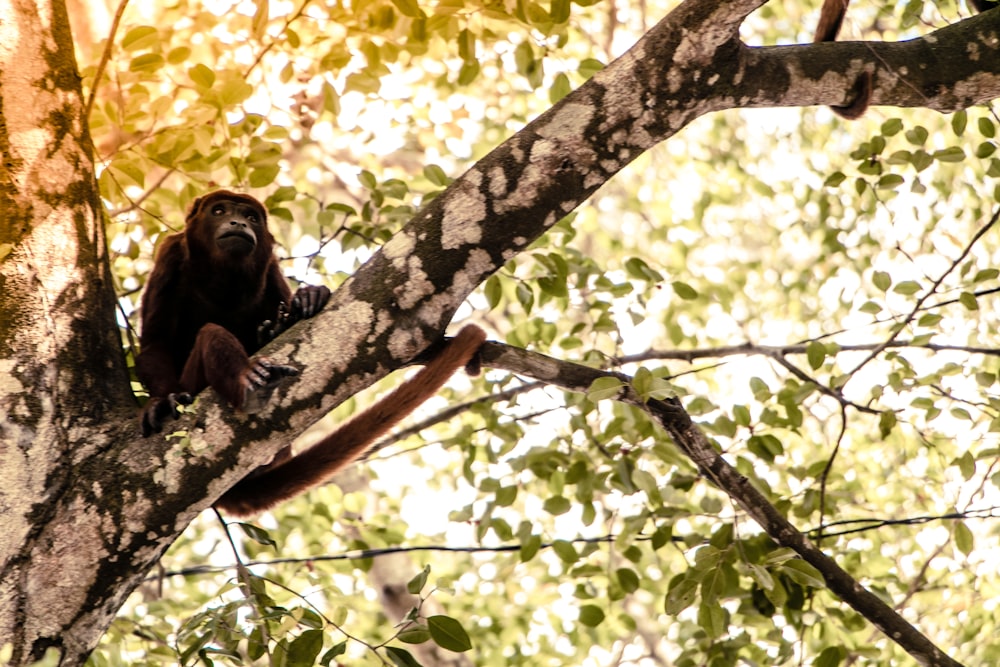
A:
x: 259, y: 382
x: 269, y: 329
x: 264, y: 372
x: 158, y: 410
x: 309, y: 300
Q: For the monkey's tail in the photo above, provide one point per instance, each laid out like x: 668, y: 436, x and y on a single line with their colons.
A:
x: 831, y: 17
x: 349, y: 442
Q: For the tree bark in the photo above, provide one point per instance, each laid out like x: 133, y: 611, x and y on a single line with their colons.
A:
x: 89, y: 506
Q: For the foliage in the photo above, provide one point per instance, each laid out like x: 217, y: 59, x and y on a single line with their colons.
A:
x: 820, y: 295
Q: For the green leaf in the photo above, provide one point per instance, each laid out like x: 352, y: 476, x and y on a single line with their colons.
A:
x: 870, y: 307
x: 627, y: 579
x: 436, y: 175
x: 263, y: 177
x: 815, y: 354
x: 417, y: 583
x: 147, y: 62
x: 415, y: 634
x: 604, y: 388
x: 831, y: 656
x: 468, y: 72
x: 712, y: 619
x: 409, y: 8
x: 525, y: 297
x: 985, y: 274
x: 529, y: 547
x: 986, y: 126
x: 968, y: 299
x: 401, y: 657
x: 886, y: 422
x: 741, y: 415
x: 589, y: 67
x: 959, y: 120
x: 636, y: 267
x: 907, y: 287
x: 202, y: 76
x: 917, y: 135
x: 304, y: 649
x: 882, y: 280
x: 591, y: 615
x: 560, y: 88
x: 985, y: 149
x: 493, y: 292
x: 803, y: 573
x: 766, y: 446
x: 559, y: 11
x: 258, y: 534
x: 505, y: 495
x: 556, y: 505
x: 835, y: 179
x: 951, y: 154
x: 966, y: 465
x: 260, y: 18
x: 684, y: 291
x: 889, y: 182
x: 566, y: 551
x: 140, y: 37
x: 681, y: 595
x: 964, y: 539
x: 336, y: 651
x: 448, y: 633
x: 892, y: 126
x: 179, y: 55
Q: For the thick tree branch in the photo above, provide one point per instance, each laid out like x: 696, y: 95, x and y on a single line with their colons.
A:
x: 691, y: 63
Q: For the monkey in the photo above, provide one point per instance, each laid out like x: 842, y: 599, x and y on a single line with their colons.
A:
x: 831, y: 18
x: 215, y: 296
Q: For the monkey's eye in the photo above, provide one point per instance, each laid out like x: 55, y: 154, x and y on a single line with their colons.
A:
x: 252, y: 217
x: 218, y: 209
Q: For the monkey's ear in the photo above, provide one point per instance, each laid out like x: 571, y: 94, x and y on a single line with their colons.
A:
x: 195, y: 208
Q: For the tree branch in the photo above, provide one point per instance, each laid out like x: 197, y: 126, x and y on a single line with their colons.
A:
x: 670, y: 414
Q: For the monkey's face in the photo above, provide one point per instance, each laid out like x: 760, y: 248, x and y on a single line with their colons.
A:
x: 237, y: 226
x: 229, y: 227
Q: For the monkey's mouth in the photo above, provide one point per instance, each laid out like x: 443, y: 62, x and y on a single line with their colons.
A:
x: 236, y: 240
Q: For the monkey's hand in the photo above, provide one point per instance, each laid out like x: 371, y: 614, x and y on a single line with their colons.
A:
x: 160, y: 408
x: 308, y: 300
x: 269, y: 329
x: 259, y: 380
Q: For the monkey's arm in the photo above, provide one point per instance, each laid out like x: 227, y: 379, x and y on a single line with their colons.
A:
x: 285, y: 480
x: 156, y: 363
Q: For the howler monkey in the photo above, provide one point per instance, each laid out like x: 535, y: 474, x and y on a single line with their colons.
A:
x: 215, y: 296
x: 831, y: 17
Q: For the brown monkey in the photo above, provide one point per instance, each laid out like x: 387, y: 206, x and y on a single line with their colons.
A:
x: 831, y: 17
x: 215, y: 296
